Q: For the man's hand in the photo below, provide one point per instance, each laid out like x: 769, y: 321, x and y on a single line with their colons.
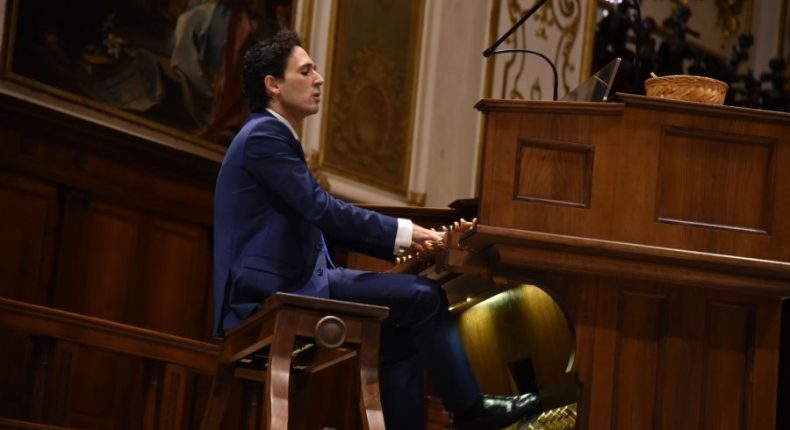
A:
x: 424, y: 239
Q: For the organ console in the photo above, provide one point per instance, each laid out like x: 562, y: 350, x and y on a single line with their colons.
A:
x: 662, y: 229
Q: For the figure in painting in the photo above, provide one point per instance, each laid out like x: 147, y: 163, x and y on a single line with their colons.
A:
x: 175, y: 62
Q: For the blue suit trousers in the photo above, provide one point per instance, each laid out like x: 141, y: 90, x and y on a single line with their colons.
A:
x: 418, y: 335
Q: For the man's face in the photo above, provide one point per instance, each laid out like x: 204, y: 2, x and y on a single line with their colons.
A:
x: 298, y: 93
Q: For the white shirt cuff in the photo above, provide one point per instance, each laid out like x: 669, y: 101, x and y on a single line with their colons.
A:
x: 403, y: 237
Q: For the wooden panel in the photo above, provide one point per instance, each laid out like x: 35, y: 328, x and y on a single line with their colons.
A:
x: 716, y: 180
x: 121, y: 178
x: 682, y: 366
x: 107, y: 391
x: 554, y: 172
x: 59, y: 385
x: 172, y: 288
x: 640, y: 329
x: 600, y: 375
x: 677, y: 267
x: 138, y: 269
x: 101, y: 251
x: 28, y: 219
x: 16, y: 361
x: 567, y: 131
x: 783, y: 395
x: 639, y: 176
x: 730, y: 341
x: 130, y: 267
x: 669, y: 357
x: 97, y: 221
x: 28, y: 222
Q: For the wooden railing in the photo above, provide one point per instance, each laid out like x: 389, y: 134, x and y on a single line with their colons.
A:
x: 9, y: 424
x: 168, y: 358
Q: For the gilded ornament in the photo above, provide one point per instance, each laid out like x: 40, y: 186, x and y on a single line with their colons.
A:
x: 729, y: 16
x: 565, y: 16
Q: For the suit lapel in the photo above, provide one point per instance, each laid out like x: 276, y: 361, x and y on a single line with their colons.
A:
x: 282, y: 129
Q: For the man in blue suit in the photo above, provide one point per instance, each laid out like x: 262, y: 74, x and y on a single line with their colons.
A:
x: 270, y: 220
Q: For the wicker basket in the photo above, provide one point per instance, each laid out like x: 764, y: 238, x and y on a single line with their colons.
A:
x: 689, y: 88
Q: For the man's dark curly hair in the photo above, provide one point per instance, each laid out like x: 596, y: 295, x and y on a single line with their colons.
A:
x: 267, y: 57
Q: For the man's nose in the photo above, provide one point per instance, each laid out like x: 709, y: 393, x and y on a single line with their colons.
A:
x: 319, y: 79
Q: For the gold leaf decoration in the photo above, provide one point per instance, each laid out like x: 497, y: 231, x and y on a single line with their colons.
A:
x: 562, y: 15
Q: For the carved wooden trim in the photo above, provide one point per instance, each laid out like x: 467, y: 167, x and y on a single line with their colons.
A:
x: 108, y: 335
x: 691, y: 108
x: 724, y: 138
x: 658, y: 301
x: 551, y: 107
x: 10, y: 424
x: 748, y: 313
x: 588, y: 151
x: 644, y: 261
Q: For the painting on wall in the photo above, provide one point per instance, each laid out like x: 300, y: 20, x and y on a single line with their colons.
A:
x: 372, y: 91
x: 171, y: 65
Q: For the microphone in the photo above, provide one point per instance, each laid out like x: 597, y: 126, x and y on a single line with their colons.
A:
x: 492, y: 49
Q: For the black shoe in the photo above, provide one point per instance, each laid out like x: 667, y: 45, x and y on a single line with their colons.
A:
x: 496, y: 412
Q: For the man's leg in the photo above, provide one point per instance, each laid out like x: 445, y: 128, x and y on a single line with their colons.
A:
x: 401, y: 379
x: 419, y: 321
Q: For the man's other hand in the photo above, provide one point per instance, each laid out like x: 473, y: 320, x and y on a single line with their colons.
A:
x: 424, y: 239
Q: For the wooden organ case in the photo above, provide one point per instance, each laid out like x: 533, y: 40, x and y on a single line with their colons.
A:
x: 663, y: 230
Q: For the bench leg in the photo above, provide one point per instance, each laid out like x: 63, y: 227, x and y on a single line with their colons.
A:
x: 279, y: 372
x: 370, y: 394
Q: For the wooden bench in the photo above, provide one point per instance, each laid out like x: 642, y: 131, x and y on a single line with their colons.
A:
x: 338, y: 330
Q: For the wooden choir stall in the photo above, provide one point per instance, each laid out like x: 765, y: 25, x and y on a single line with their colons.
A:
x: 662, y: 230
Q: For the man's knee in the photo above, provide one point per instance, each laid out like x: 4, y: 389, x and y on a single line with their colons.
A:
x: 428, y: 299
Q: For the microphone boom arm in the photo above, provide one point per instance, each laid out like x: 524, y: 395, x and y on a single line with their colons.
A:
x: 528, y: 51
x: 487, y: 53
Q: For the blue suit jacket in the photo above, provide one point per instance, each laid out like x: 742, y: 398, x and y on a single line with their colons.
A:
x: 269, y: 215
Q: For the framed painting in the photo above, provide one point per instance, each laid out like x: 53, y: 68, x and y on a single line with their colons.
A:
x: 170, y: 65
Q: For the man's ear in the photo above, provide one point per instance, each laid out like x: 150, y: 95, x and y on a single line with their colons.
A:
x: 271, y: 85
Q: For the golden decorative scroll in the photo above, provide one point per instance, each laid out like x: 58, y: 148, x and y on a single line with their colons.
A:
x: 535, y: 91
x: 562, y: 15
x: 567, y: 21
